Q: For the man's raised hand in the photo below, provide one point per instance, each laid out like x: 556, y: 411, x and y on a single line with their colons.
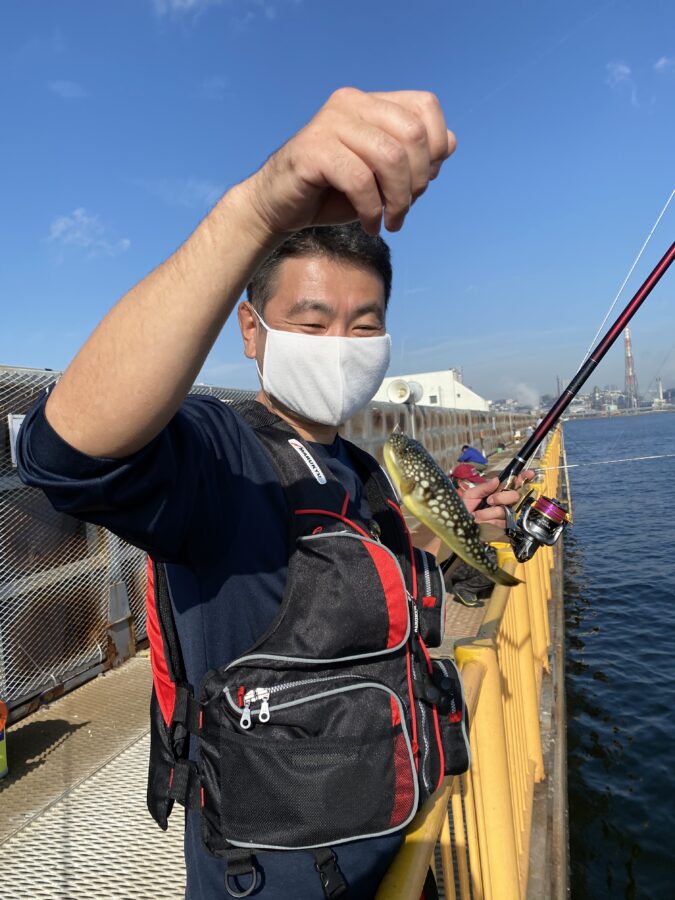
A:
x: 363, y: 156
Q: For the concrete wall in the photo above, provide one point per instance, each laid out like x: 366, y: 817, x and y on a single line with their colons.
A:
x: 442, y: 431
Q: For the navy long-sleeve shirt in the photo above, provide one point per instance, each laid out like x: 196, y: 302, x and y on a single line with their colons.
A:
x: 204, y: 497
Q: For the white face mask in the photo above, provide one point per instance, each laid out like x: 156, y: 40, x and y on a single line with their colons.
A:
x: 323, y: 378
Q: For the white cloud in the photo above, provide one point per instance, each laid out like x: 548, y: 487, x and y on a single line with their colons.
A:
x: 67, y: 90
x: 246, y: 9
x: 664, y: 65
x: 618, y: 73
x: 189, y: 193
x: 85, y: 231
x: 177, y: 7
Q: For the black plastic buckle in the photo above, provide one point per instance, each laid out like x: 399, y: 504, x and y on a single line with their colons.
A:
x: 332, y: 881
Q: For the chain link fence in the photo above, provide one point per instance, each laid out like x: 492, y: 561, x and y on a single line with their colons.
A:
x: 72, y: 595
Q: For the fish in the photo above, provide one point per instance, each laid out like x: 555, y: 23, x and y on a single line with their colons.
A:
x: 432, y: 498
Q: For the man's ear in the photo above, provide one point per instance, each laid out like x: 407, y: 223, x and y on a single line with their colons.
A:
x: 248, y: 325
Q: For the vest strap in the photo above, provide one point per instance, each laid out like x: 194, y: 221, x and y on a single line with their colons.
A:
x: 241, y: 868
x: 186, y: 710
x: 184, y: 786
x: 332, y: 881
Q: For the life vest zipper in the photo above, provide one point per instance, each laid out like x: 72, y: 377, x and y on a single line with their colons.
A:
x: 427, y: 574
x: 422, y: 729
x: 262, y: 695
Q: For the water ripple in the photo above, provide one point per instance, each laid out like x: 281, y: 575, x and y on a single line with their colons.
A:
x: 620, y: 621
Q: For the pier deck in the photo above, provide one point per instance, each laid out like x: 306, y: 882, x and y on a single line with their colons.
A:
x: 73, y: 820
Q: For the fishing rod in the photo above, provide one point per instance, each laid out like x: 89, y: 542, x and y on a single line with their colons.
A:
x: 555, y: 413
x: 543, y: 520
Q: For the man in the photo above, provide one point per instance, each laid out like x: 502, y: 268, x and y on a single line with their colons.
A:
x: 117, y: 443
x: 471, y: 455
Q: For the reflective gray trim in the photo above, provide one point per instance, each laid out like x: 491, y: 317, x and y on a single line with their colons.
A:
x: 278, y: 688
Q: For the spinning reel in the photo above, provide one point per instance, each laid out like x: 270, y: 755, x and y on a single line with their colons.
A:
x: 536, y: 522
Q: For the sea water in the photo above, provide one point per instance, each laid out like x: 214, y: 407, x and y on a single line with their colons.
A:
x: 620, y: 665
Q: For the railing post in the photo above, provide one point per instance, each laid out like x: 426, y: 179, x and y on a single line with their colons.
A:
x: 530, y: 694
x: 490, y: 771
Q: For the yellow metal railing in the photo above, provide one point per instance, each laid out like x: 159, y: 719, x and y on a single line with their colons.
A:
x: 481, y: 822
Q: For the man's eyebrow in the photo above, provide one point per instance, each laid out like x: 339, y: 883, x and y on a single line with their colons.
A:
x: 308, y: 305
x: 367, y: 308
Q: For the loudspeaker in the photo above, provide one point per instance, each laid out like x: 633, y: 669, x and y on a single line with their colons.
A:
x: 401, y: 391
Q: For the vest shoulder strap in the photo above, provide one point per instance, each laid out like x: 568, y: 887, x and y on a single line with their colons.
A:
x: 382, y: 500
x: 307, y: 482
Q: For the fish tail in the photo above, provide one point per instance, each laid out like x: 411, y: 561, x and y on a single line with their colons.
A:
x: 501, y: 576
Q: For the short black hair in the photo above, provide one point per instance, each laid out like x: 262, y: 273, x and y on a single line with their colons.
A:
x: 344, y: 243
x: 465, y: 446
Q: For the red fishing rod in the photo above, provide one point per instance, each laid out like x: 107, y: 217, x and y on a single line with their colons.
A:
x: 554, y: 414
x: 543, y: 520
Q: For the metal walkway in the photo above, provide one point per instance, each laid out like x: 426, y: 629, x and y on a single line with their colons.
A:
x: 73, y: 821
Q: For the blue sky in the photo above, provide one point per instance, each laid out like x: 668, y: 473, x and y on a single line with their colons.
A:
x: 122, y: 122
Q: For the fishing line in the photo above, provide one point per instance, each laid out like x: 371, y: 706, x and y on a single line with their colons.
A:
x: 606, y: 462
x: 618, y: 438
x: 630, y: 272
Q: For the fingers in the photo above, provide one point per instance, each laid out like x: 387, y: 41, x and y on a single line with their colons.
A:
x: 404, y: 131
x: 496, y: 501
x: 503, y: 498
x: 364, y: 156
x: 425, y: 106
x: 396, y: 170
x: 491, y: 515
x: 482, y: 490
x: 401, y: 137
x: 352, y: 177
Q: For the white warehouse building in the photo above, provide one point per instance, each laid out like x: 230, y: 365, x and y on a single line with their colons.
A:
x: 444, y: 388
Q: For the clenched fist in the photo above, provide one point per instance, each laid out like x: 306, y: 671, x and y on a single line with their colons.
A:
x: 363, y: 156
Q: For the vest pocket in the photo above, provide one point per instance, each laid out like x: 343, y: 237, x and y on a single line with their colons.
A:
x: 346, y: 599
x: 430, y: 598
x: 317, y: 765
x: 453, y: 717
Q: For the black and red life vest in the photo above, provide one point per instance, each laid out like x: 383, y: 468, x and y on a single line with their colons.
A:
x: 336, y: 724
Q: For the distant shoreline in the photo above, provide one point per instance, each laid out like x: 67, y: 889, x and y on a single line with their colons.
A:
x: 619, y: 415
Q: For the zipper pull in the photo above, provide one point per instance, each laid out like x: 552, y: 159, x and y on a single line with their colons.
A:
x: 245, y: 721
x: 264, y: 695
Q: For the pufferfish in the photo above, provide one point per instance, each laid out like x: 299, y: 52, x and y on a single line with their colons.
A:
x: 432, y: 498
